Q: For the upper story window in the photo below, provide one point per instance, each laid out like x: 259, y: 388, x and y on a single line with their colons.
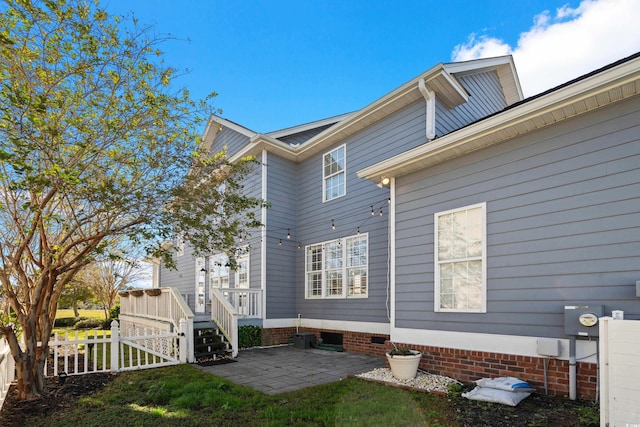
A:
x: 219, y: 271
x: 337, y: 268
x: 333, y: 174
x: 460, y: 259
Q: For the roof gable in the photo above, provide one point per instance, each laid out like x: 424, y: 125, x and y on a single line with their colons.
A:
x: 440, y: 79
x: 600, y: 88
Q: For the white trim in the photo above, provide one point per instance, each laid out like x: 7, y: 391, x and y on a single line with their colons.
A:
x: 307, y: 126
x: 342, y: 147
x: 489, y: 343
x: 342, y: 244
x: 392, y: 249
x: 483, y: 259
x: 336, y: 325
x: 263, y: 235
x: 509, y: 123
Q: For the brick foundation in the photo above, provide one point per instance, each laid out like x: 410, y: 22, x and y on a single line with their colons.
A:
x: 464, y: 365
x: 468, y: 366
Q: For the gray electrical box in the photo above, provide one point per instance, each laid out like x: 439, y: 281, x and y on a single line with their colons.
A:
x: 582, y: 320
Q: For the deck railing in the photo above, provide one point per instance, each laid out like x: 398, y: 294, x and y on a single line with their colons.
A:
x: 246, y: 302
x: 157, y: 305
x: 226, y: 317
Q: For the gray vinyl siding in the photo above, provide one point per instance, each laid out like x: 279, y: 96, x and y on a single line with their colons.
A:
x: 392, y: 135
x: 302, y: 137
x: 485, y: 98
x: 231, y: 139
x: 183, y: 278
x: 563, y: 226
x: 282, y: 195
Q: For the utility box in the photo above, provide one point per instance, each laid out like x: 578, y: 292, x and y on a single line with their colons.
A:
x: 548, y: 347
x: 304, y: 339
x: 582, y: 320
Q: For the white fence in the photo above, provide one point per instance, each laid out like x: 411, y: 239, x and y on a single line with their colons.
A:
x: 7, y: 369
x: 161, y: 308
x: 619, y: 372
x: 74, y: 354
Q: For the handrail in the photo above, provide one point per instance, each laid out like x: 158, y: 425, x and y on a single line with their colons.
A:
x: 226, y: 317
x: 246, y: 302
x: 162, y: 304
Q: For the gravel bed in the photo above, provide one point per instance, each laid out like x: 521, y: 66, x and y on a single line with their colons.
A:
x: 423, y: 380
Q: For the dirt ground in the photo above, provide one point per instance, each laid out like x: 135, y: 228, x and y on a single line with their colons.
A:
x: 536, y: 410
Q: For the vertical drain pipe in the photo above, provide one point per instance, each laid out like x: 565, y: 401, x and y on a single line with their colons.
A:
x: 430, y: 98
x: 572, y: 368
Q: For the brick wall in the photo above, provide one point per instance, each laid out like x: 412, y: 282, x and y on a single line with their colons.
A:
x: 464, y: 365
x: 275, y: 336
x: 467, y: 366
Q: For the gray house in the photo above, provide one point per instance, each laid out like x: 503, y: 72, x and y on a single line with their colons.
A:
x: 451, y: 216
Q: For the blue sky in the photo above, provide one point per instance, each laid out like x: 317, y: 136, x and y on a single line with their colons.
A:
x: 277, y: 64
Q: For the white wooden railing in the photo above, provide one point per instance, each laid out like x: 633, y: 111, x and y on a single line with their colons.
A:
x: 152, y: 307
x: 7, y: 369
x: 246, y: 302
x: 93, y: 351
x: 226, y: 317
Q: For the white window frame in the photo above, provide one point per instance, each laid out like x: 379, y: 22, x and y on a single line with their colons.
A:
x: 328, y: 177
x: 219, y: 271
x: 242, y: 260
x: 200, y: 289
x: 477, y: 230
x: 178, y: 245
x: 348, y: 259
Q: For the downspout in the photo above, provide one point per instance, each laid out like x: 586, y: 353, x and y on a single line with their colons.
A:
x: 430, y: 98
x: 572, y: 368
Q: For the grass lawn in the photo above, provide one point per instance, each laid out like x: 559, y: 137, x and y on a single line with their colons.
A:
x: 184, y: 395
x: 90, y: 314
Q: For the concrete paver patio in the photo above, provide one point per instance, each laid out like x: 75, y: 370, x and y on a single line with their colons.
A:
x: 280, y: 369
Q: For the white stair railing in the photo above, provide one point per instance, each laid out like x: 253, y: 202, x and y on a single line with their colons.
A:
x: 226, y: 317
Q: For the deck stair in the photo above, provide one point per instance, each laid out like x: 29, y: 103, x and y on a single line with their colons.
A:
x: 210, y: 345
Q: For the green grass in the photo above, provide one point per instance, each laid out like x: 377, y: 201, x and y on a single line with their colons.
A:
x: 184, y: 395
x: 90, y: 314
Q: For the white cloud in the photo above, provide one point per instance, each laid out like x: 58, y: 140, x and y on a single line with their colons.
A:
x: 562, y: 46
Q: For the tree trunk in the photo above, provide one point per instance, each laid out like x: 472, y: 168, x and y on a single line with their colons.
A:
x: 30, y: 376
x: 76, y: 313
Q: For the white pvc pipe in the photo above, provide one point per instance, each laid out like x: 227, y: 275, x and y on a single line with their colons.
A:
x: 572, y: 368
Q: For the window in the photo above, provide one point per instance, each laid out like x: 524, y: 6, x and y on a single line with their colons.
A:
x: 460, y: 259
x: 337, y: 268
x: 333, y: 174
x: 178, y: 245
x: 242, y: 272
x: 219, y: 271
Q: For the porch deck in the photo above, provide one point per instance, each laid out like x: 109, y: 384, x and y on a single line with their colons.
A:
x: 280, y: 369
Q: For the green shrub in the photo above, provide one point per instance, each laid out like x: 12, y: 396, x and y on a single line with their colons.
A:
x: 249, y: 336
x: 89, y: 324
x: 64, y: 322
x: 114, y: 313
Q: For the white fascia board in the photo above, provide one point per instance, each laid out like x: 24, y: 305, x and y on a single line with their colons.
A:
x: 307, y: 126
x: 477, y: 64
x: 488, y: 343
x: 579, y: 91
x: 336, y: 325
x: 369, y: 109
x: 235, y: 127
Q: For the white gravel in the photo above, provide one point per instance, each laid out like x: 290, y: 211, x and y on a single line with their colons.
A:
x: 423, y: 381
